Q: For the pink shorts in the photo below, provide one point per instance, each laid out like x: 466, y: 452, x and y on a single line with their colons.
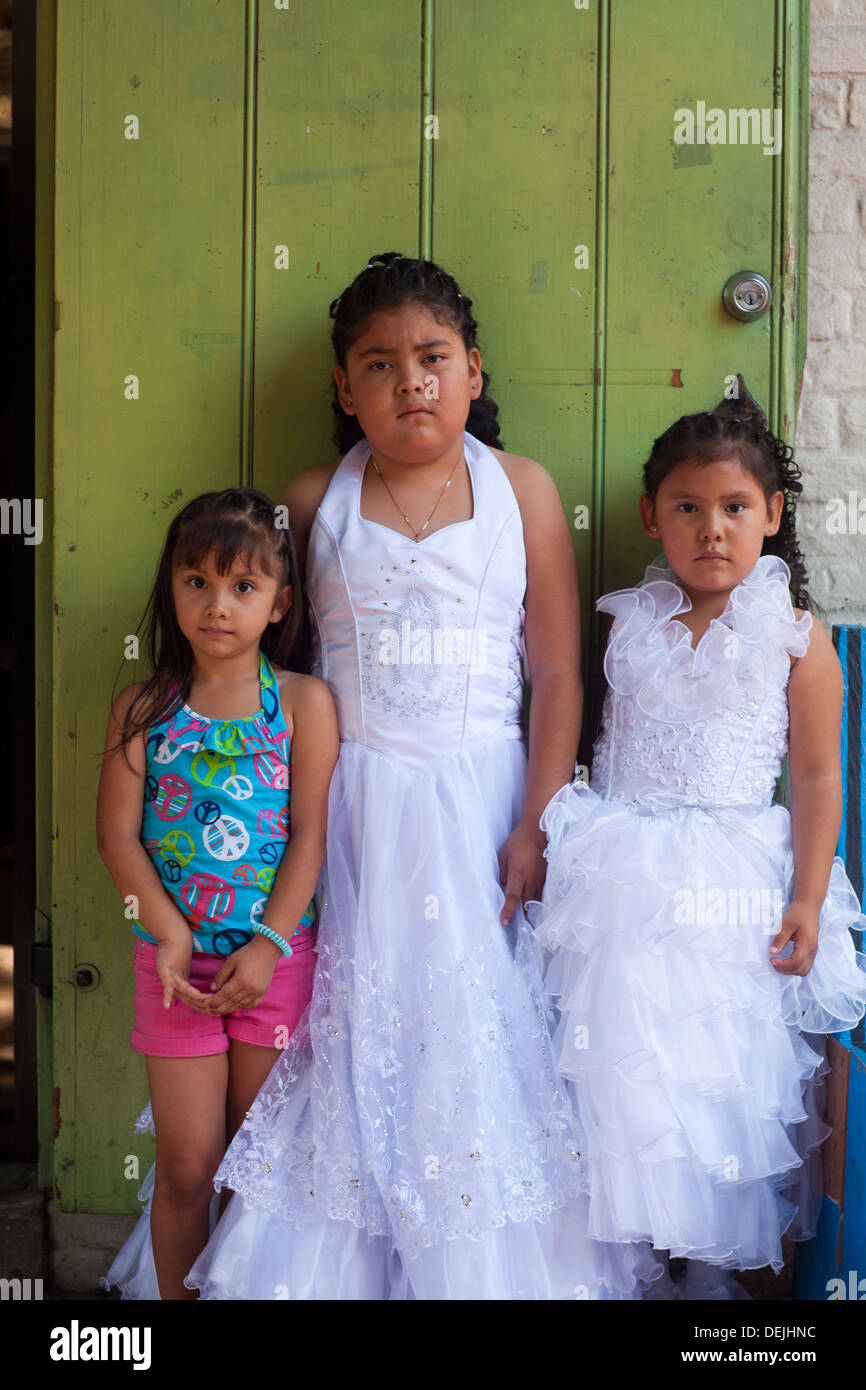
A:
x: 184, y: 1032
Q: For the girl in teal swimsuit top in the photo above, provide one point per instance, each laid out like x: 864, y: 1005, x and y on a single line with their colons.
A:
x: 216, y: 817
x: 211, y: 821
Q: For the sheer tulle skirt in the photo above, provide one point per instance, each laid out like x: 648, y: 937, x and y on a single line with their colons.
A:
x: 414, y: 1141
x: 691, y: 1062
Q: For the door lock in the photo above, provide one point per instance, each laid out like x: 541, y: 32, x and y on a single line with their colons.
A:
x: 747, y: 296
x: 86, y: 976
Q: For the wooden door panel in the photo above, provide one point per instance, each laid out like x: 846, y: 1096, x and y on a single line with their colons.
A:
x: 306, y: 129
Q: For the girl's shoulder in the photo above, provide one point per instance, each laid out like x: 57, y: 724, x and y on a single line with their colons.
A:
x: 531, y: 483
x: 302, y: 694
x: 125, y: 700
x: 115, y: 738
x: 798, y: 614
x: 127, y: 695
x: 820, y: 654
x: 521, y: 472
x: 304, y: 492
x: 302, y: 496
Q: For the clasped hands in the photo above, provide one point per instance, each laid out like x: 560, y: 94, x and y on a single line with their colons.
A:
x: 241, y: 982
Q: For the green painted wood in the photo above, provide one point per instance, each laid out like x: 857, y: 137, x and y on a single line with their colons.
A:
x: 303, y: 128
x: 513, y: 197
x: 338, y: 148
x: 794, y: 193
x: 149, y: 279
x: 681, y: 220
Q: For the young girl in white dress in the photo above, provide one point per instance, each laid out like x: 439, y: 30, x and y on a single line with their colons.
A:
x: 694, y: 930
x: 417, y: 1143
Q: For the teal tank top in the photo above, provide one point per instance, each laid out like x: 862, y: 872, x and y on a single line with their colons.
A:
x: 216, y: 817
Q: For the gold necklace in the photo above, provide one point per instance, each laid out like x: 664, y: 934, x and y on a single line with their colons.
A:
x: 415, y: 533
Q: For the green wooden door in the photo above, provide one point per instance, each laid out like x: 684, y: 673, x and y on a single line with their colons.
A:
x: 222, y: 170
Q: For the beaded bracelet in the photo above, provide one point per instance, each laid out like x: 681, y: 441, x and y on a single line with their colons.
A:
x: 272, y: 936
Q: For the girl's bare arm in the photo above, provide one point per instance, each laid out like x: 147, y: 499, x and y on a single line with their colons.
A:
x: 552, y: 631
x: 302, y: 495
x: 815, y: 692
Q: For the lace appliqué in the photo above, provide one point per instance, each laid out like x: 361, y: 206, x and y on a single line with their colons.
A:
x: 698, y: 723
x: 409, y: 1133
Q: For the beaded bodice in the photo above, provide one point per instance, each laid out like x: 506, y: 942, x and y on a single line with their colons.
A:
x: 420, y: 642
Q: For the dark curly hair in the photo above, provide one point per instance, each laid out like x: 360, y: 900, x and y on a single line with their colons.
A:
x: 388, y: 281
x: 738, y: 428
x: 238, y: 522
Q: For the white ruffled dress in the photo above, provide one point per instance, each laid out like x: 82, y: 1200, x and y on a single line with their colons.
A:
x: 414, y: 1140
x: 692, y: 1073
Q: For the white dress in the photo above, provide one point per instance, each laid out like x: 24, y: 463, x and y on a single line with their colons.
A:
x: 414, y: 1141
x: 667, y: 878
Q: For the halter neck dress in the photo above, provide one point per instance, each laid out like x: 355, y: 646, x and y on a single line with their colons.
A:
x: 416, y: 1142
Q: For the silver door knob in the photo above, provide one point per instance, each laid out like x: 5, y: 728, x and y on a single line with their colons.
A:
x: 747, y: 296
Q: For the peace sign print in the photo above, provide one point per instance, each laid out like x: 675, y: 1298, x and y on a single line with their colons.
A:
x: 209, y: 899
x: 163, y: 750
x: 271, y: 770
x: 270, y: 704
x: 239, y: 788
x: 179, y: 845
x: 173, y: 796
x: 229, y: 940
x: 206, y: 764
x: 227, y: 839
x: 228, y: 739
x: 254, y: 743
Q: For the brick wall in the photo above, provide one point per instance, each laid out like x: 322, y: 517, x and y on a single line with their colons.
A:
x: 831, y: 425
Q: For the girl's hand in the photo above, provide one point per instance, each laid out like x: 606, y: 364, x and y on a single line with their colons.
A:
x: 800, y: 925
x: 522, y: 869
x: 172, y: 967
x: 244, y: 978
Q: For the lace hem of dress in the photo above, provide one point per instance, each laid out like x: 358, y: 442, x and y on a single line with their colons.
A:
x: 409, y: 1242
x: 274, y: 1165
x: 650, y: 655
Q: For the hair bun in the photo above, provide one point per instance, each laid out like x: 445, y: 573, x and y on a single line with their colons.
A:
x: 742, y: 405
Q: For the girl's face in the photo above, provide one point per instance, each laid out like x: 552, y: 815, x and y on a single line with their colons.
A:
x: 226, y: 614
x: 711, y: 520
x: 410, y: 382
